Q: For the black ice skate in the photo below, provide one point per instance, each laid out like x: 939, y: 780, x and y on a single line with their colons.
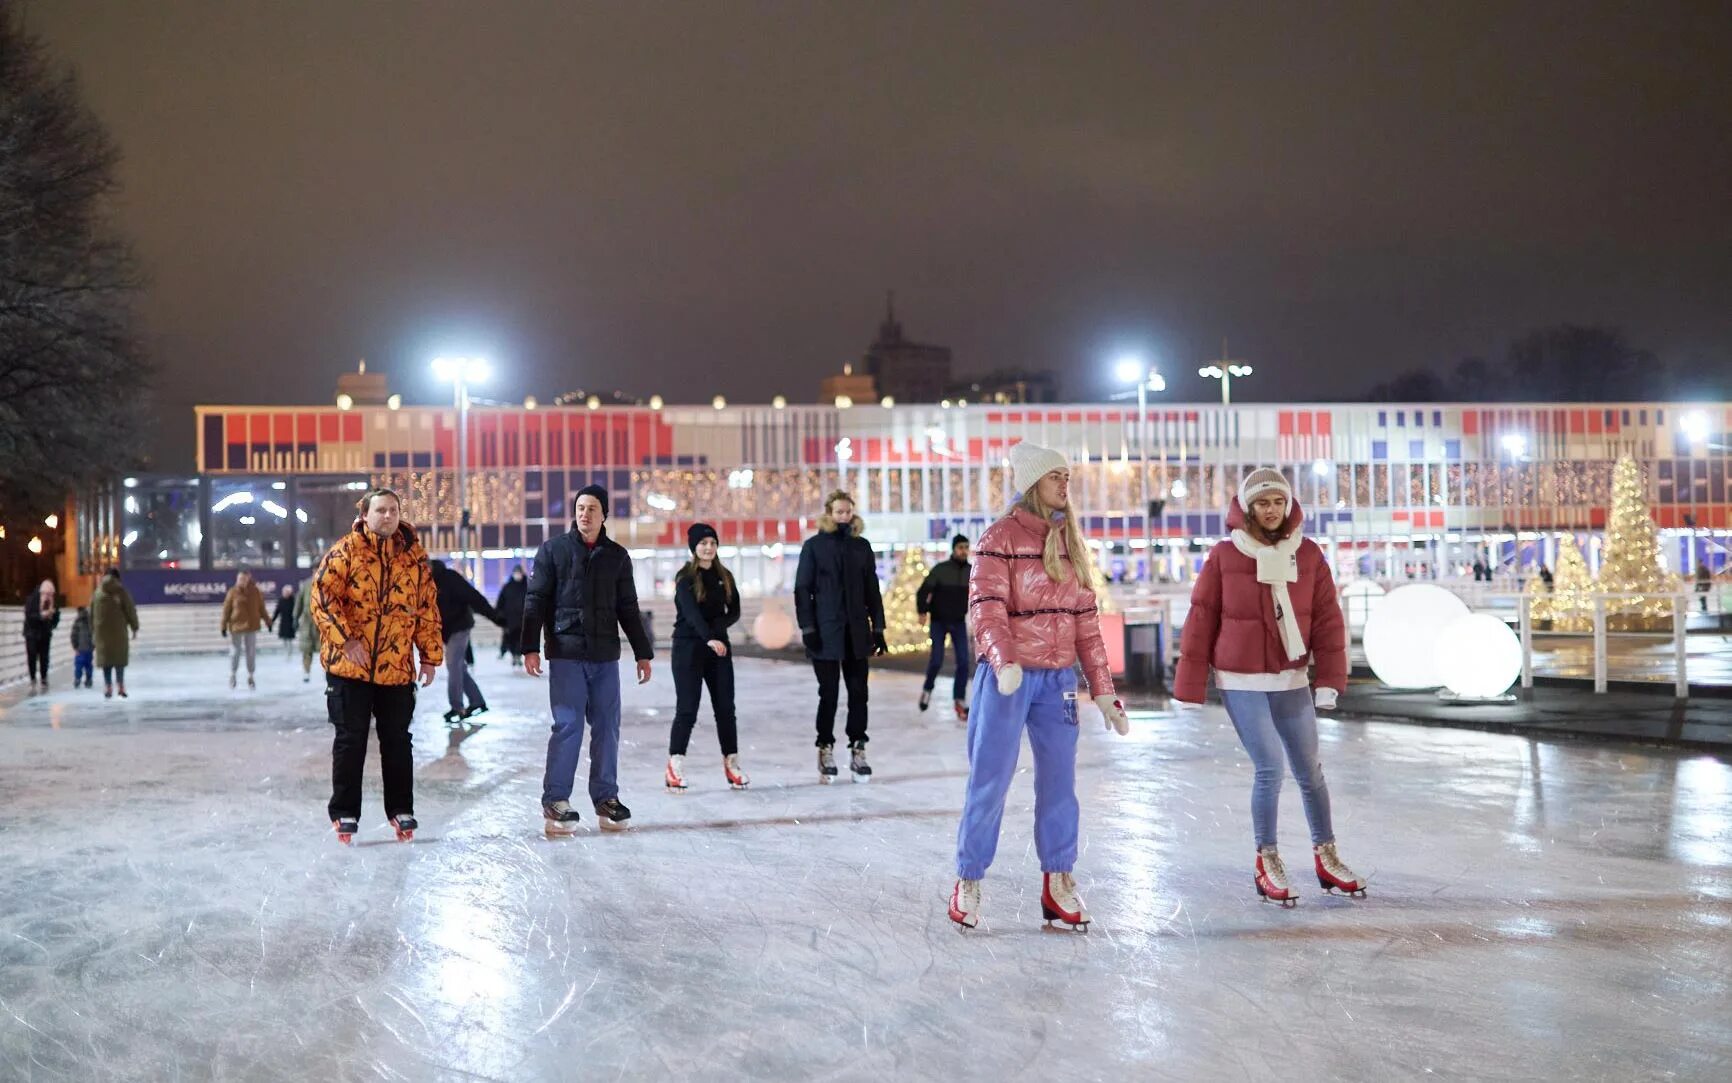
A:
x: 925, y: 698
x: 405, y: 826
x: 961, y: 711
x: 560, y: 817
x: 479, y: 708
x: 345, y: 828
x: 613, y: 815
x: 826, y: 764
x: 857, y: 765
x: 453, y: 716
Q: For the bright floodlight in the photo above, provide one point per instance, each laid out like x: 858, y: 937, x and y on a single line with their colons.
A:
x: 1212, y: 371
x: 1695, y: 426
x: 1515, y: 443
x: 1320, y: 468
x: 471, y: 370
x: 1157, y: 382
x: 780, y: 402
x: 1130, y: 369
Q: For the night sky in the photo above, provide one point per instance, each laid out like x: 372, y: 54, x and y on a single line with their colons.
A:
x: 686, y: 198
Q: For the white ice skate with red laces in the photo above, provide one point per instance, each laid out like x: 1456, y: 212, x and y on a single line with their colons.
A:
x: 675, y: 779
x: 1060, y: 902
x: 1333, y: 875
x: 737, y: 777
x: 965, y: 903
x: 1271, y: 878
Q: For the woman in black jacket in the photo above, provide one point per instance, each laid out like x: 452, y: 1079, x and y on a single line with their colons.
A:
x: 510, y: 607
x: 41, y: 617
x: 707, y: 603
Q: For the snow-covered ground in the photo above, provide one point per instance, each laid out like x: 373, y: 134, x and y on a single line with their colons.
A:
x: 174, y: 905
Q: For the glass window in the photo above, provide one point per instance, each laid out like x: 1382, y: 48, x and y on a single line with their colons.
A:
x: 244, y: 532
x: 159, y: 525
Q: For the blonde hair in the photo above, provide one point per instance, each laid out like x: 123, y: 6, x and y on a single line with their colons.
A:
x: 828, y: 524
x: 1074, y: 546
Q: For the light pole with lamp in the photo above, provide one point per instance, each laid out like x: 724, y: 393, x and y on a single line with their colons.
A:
x: 1224, y: 370
x: 1135, y: 370
x: 461, y: 372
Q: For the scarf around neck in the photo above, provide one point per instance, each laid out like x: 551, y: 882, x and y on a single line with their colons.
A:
x: 1278, y: 565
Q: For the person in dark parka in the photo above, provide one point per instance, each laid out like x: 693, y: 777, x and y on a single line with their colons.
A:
x: 459, y: 601
x: 841, y: 616
x: 41, y: 617
x: 510, y: 607
x: 943, y: 600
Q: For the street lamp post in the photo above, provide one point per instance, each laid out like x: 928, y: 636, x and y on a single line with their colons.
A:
x: 1147, y: 379
x: 461, y: 372
x: 1224, y: 370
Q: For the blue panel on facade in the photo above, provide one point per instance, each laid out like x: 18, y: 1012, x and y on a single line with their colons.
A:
x: 213, y: 442
x: 1382, y: 420
x: 513, y: 536
x: 1452, y: 449
x: 379, y: 460
x: 619, y: 503
x: 1214, y: 523
x: 1419, y: 419
x: 1380, y: 449
x: 489, y: 535
x: 532, y: 508
x: 533, y: 534
x: 237, y: 457
x: 421, y: 459
x: 1416, y: 449
x: 1437, y: 419
x: 1194, y: 524
x: 532, y: 481
x: 685, y: 460
x: 621, y: 482
x: 1401, y: 419
x: 400, y: 459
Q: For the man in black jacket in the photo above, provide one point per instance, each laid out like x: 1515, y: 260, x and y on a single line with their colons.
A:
x: 943, y: 599
x: 459, y: 601
x: 841, y: 616
x: 580, y: 595
x: 510, y: 606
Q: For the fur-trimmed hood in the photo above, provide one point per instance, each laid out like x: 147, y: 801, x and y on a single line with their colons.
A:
x: 829, y: 525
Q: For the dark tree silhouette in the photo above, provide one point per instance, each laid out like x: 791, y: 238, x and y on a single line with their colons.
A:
x: 1566, y: 363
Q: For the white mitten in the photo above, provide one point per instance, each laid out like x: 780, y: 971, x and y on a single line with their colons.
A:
x: 1113, y: 711
x: 1009, y: 679
x: 1326, y: 698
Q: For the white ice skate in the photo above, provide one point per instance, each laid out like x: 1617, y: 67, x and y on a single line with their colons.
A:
x: 675, y: 780
x: 1060, y: 902
x: 737, y: 777
x: 1333, y: 875
x: 1271, y: 878
x: 857, y: 765
x: 826, y: 764
x: 965, y: 903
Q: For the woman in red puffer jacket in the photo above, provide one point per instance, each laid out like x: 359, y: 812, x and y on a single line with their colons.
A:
x: 1032, y: 607
x: 1263, y: 609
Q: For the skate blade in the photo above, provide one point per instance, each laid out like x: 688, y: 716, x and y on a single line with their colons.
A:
x: 675, y: 789
x: 611, y: 825
x: 739, y: 785
x: 558, y: 830
x: 964, y: 921
x: 825, y: 780
x: 862, y: 778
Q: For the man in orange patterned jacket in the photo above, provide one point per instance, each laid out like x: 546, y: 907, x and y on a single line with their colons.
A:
x: 375, y: 604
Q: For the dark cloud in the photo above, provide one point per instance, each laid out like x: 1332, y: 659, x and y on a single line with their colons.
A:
x: 684, y: 198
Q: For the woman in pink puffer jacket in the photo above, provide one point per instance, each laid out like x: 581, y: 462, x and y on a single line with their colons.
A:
x: 1265, y: 607
x: 1032, y: 607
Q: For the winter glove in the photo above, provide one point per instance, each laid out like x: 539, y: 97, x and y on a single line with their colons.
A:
x: 1009, y: 679
x: 878, y: 644
x: 1113, y: 713
x: 813, y: 640
x: 224, y: 633
x: 1326, y: 698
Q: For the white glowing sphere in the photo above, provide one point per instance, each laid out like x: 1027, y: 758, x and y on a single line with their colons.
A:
x: 1359, y: 598
x: 1404, y: 635
x: 1481, y: 657
x: 773, y: 629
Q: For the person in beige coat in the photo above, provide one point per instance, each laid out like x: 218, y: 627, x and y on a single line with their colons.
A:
x: 243, y: 615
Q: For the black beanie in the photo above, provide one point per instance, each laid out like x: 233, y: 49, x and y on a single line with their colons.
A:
x: 596, y: 491
x: 960, y: 539
x: 697, y: 532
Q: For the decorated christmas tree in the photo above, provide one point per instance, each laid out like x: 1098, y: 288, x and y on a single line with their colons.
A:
x: 1568, y: 606
x: 1632, y: 559
x: 905, y: 629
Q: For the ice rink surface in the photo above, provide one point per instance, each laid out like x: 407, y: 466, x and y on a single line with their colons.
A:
x: 174, y: 905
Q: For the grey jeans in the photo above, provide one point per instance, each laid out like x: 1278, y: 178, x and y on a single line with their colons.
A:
x: 238, y: 641
x: 457, y: 678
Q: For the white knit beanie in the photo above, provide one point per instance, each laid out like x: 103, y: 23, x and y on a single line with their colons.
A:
x: 1264, y: 480
x: 1031, y: 462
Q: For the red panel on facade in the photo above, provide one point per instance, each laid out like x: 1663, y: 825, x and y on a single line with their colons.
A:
x: 620, y: 426
x: 1469, y: 423
x: 1075, y: 418
x: 235, y: 429
x: 259, y: 428
x: 1096, y: 416
x: 668, y: 534
x: 1191, y: 415
x: 306, y: 428
x: 1594, y: 422
x: 1437, y: 519
x: 1305, y: 417
x: 555, y: 439
x: 1286, y: 423
x: 352, y: 432
x: 283, y: 429
x: 1597, y: 517
x: 1668, y: 516
x: 1325, y: 423
x: 1578, y: 422
x: 444, y: 441
x: 1613, y: 417
x: 643, y: 436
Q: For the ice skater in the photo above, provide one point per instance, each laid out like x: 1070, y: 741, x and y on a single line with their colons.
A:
x: 112, y: 614
x: 459, y: 601
x: 306, y: 633
x: 375, y: 607
x: 841, y: 616
x: 706, y: 605
x: 510, y: 607
x: 83, y: 650
x: 581, y: 594
x: 41, y: 617
x: 943, y: 600
x: 1034, y: 609
x: 1262, y: 609
x: 283, y: 618
x: 243, y: 616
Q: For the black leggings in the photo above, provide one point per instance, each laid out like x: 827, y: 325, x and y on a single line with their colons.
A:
x: 695, y: 666
x: 36, y: 654
x: 109, y: 673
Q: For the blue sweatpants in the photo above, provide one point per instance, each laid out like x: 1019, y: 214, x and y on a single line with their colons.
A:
x: 1046, y: 705
x: 582, y: 692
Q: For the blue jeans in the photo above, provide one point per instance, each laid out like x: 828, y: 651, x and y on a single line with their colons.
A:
x: 582, y: 692
x: 957, y: 630
x: 83, y: 666
x: 1046, y: 705
x: 1266, y: 722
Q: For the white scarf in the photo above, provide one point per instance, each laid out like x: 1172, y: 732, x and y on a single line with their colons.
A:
x: 1278, y: 565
